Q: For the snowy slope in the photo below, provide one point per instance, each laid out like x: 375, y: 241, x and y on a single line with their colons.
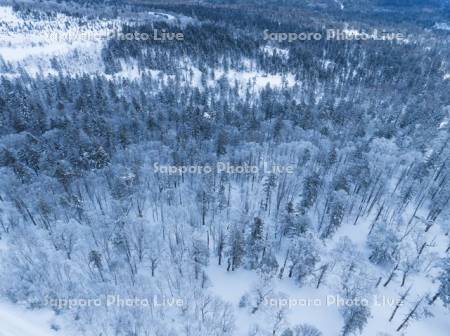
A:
x: 34, y: 43
x: 16, y: 321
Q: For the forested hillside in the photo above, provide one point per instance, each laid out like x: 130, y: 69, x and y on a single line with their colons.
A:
x: 344, y: 190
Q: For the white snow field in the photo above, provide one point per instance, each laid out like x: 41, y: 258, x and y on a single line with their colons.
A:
x: 32, y: 43
x: 17, y: 321
x: 232, y: 286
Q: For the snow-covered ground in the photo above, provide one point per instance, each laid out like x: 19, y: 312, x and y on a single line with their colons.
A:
x: 34, y: 43
x: 17, y: 321
x: 315, y: 307
x: 231, y: 286
x: 442, y: 26
x: 270, y: 50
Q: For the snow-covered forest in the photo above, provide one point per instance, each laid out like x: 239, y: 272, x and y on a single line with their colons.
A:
x: 216, y: 182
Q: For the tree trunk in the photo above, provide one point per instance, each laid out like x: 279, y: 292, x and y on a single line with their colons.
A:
x: 391, y: 276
